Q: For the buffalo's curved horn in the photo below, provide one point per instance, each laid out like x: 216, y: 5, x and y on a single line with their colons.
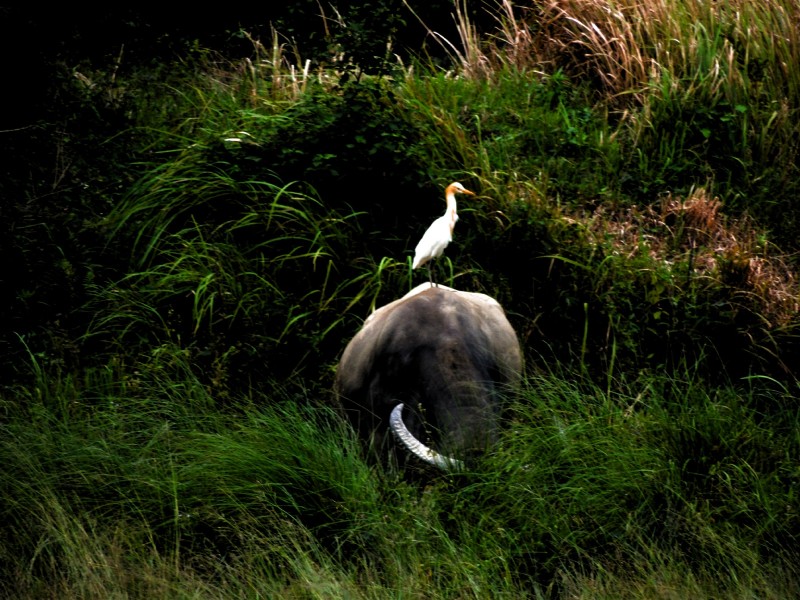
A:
x: 417, y: 448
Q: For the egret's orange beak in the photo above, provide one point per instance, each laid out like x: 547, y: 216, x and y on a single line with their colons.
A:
x: 461, y: 190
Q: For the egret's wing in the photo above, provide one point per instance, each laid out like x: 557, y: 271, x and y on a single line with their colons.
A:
x: 433, y: 242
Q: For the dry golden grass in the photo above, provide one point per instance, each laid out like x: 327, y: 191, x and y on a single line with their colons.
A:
x: 630, y: 48
x: 694, y: 229
x: 276, y: 73
x: 627, y: 46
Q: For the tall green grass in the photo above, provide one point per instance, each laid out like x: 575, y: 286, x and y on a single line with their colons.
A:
x: 135, y: 483
x: 573, y: 172
x: 236, y: 270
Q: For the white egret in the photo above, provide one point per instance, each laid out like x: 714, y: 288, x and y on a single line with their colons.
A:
x: 440, y: 233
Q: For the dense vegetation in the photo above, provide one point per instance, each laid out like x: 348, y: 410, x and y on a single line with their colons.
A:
x: 193, y: 226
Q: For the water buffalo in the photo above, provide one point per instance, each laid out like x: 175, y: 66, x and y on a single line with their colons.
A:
x: 431, y: 366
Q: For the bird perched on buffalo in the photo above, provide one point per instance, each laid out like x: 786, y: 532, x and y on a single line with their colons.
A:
x: 440, y: 233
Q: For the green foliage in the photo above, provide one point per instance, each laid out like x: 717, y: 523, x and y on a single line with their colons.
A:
x: 669, y: 470
x: 247, y: 272
x: 230, y: 270
x: 137, y: 470
x: 190, y: 248
x: 146, y: 454
x: 352, y: 146
x: 539, y: 129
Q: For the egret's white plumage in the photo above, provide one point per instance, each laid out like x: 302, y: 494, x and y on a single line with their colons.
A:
x: 440, y: 233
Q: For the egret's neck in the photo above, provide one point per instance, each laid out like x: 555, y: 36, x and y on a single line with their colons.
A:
x: 451, y: 203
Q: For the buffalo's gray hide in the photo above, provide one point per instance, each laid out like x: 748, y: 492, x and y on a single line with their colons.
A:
x: 446, y: 355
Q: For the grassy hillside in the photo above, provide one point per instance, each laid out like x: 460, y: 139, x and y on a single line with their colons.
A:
x: 191, y: 245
